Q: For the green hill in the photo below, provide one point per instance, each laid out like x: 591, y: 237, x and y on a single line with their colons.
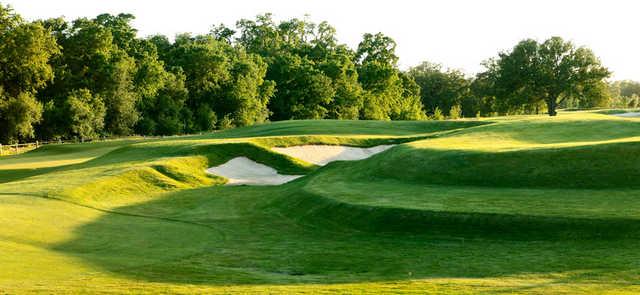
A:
x: 509, y: 205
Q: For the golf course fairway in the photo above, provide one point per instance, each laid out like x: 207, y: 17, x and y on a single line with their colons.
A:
x: 513, y: 205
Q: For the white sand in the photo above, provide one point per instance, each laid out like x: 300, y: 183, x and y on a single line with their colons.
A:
x: 628, y: 115
x: 242, y: 170
x: 324, y: 154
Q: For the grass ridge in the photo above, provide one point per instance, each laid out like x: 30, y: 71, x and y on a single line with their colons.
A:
x: 321, y: 211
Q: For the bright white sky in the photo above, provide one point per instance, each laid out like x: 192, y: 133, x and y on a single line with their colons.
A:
x: 457, y: 33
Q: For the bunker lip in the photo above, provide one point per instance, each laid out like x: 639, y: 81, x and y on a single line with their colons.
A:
x: 324, y: 154
x: 242, y: 170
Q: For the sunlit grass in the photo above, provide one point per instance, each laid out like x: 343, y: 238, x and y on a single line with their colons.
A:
x: 525, y: 204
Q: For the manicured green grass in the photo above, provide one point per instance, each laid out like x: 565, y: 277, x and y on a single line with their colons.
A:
x: 508, y: 205
x: 346, y: 127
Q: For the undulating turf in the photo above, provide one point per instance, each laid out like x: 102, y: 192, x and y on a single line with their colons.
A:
x: 526, y: 204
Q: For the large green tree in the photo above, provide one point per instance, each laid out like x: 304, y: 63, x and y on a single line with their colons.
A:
x: 94, y: 77
x: 161, y: 90
x: 162, y: 109
x: 388, y: 94
x: 92, y: 60
x: 339, y: 66
x: 224, y: 82
x: 594, y: 95
x: 624, y: 94
x: 25, y: 51
x: 315, y: 76
x: 246, y: 97
x: 549, y: 72
x: 85, y: 114
x: 303, y: 90
x: 628, y: 88
x: 442, y: 89
x: 104, y: 56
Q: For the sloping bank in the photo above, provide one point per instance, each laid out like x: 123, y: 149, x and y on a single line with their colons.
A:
x: 330, y: 213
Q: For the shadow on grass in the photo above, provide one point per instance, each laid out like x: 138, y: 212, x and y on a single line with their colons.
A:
x: 10, y: 175
x: 248, y: 241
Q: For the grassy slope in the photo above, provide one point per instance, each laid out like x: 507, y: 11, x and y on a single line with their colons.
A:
x: 500, y: 179
x: 344, y: 127
x: 141, y: 217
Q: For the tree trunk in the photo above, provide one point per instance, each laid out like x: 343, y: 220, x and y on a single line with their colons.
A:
x: 551, y: 106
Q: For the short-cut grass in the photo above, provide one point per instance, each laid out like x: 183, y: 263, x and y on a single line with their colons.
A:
x: 525, y: 204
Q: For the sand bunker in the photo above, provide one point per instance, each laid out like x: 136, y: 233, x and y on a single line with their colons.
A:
x: 324, y: 154
x: 242, y: 170
x: 628, y: 115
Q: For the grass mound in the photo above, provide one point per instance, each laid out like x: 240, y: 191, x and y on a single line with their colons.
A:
x: 336, y: 213
x: 140, y: 172
x: 574, y: 151
x: 612, y: 165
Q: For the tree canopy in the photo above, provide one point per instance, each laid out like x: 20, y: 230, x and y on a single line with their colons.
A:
x: 25, y: 51
x: 442, y: 89
x: 550, y: 72
x: 93, y: 77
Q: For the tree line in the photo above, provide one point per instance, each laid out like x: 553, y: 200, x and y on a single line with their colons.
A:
x: 95, y: 77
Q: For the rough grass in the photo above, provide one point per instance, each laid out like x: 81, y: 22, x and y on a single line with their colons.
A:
x: 513, y: 205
